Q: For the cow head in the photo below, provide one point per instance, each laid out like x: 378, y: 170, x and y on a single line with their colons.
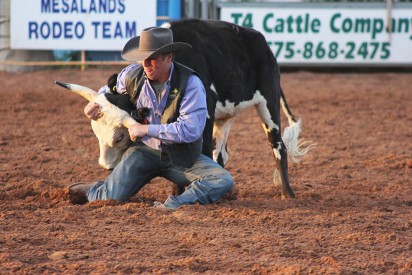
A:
x: 110, y: 129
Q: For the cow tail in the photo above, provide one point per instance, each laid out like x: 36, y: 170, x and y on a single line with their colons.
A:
x: 296, y: 148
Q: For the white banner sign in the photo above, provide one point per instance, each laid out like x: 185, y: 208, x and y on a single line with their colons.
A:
x: 78, y: 24
x: 330, y: 34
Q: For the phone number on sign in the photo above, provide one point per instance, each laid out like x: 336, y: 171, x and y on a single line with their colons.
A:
x: 332, y: 50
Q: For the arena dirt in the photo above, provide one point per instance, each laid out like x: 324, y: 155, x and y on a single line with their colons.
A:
x: 352, y: 214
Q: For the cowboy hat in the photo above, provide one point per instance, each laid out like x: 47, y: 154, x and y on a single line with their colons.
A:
x: 151, y: 42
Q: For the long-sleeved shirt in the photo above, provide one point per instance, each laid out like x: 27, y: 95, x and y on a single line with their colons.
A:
x: 193, y: 111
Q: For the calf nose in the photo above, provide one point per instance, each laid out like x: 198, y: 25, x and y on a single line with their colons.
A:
x: 106, y: 166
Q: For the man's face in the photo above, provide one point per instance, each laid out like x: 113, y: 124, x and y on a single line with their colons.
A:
x: 157, y: 68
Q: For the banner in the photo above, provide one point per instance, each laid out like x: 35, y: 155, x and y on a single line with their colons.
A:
x: 360, y: 34
x: 78, y: 24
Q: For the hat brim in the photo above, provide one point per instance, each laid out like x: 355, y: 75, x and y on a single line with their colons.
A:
x: 131, y: 50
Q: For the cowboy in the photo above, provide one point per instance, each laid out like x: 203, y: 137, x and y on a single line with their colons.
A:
x: 169, y: 146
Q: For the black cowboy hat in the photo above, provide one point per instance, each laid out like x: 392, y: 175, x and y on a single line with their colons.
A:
x: 151, y: 42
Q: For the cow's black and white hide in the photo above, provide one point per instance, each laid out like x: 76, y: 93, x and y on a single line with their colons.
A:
x: 237, y: 65
x: 239, y: 70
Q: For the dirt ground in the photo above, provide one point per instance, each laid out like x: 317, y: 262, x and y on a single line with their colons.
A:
x: 352, y: 214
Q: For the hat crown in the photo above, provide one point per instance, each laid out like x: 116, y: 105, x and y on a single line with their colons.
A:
x: 151, y: 42
x: 154, y: 38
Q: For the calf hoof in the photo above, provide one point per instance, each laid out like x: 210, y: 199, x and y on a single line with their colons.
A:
x: 178, y: 189
x: 287, y: 194
x: 279, y: 181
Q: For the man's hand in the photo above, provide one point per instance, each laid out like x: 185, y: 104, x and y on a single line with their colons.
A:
x: 137, y: 131
x: 93, y: 111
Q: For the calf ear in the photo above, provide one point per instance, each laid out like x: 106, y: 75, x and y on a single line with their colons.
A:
x: 121, y: 101
x: 111, y: 83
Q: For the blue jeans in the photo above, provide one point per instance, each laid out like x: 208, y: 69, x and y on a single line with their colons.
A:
x: 207, y: 181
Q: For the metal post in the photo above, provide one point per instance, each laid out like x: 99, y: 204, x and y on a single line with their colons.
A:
x: 214, y: 9
x: 190, y: 8
x: 174, y: 9
x: 205, y: 9
x: 389, y: 18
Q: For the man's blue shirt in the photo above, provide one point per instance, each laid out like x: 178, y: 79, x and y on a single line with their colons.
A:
x: 193, y: 111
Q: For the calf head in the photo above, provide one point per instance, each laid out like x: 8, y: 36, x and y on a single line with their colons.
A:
x: 110, y: 129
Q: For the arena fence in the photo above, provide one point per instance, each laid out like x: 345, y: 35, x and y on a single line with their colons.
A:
x: 83, y: 63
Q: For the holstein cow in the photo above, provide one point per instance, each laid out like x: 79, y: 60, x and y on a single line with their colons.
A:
x: 238, y: 70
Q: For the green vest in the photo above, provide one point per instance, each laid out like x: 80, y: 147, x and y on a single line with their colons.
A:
x: 183, y: 154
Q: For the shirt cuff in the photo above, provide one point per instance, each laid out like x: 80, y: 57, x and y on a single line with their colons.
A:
x: 153, y: 130
x: 104, y: 90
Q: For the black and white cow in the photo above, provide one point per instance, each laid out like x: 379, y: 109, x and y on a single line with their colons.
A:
x: 239, y: 71
x: 237, y: 65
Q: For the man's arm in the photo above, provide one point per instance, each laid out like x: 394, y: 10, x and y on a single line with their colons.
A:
x: 92, y: 109
x: 191, y: 122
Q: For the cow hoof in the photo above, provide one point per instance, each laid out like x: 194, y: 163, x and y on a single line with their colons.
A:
x: 284, y: 197
x: 178, y: 189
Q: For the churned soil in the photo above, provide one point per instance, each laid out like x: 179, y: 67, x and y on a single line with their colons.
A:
x: 352, y: 213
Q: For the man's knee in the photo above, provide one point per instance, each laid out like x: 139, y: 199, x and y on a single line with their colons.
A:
x: 228, y: 182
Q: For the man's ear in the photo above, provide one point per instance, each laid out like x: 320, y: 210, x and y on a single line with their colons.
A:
x: 170, y: 57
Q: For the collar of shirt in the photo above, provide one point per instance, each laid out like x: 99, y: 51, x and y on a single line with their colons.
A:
x: 148, y: 94
x: 159, y: 107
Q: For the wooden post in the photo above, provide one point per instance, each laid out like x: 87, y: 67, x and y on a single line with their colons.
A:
x: 83, y: 60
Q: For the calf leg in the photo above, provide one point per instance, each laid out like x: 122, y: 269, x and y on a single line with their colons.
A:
x: 207, y: 150
x: 221, y: 131
x: 207, y: 145
x: 271, y: 125
x: 178, y: 189
x: 280, y: 175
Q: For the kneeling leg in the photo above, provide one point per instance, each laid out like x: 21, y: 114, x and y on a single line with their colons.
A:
x: 207, y: 180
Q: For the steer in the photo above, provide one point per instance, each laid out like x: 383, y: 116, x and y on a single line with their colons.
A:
x: 238, y: 70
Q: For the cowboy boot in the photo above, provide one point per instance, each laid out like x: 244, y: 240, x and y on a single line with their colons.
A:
x: 77, y: 193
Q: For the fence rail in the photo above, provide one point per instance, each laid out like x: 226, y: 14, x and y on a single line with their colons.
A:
x: 83, y: 63
x: 61, y: 63
x: 5, y: 36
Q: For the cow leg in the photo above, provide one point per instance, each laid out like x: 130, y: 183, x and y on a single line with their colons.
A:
x: 177, y: 189
x: 221, y: 131
x: 271, y: 125
x: 280, y: 175
x: 207, y: 145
